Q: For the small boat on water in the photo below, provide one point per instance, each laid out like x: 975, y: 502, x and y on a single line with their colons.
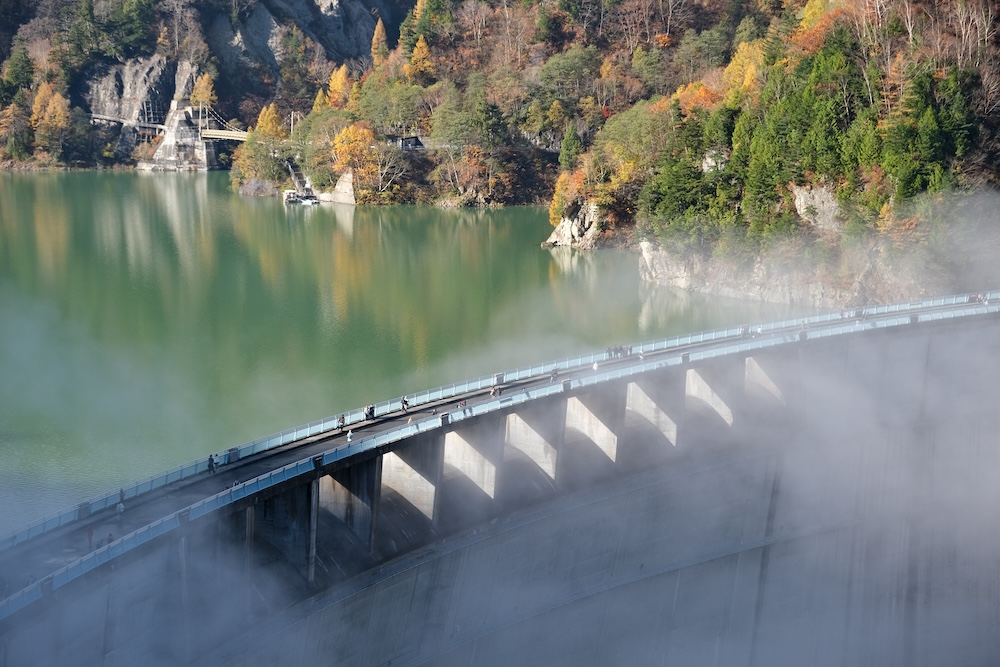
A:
x: 295, y: 197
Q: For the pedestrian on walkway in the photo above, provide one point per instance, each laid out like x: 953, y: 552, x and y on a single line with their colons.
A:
x: 341, y: 422
x: 120, y: 511
x: 211, y: 464
x: 405, y: 403
x: 121, y: 495
x: 90, y: 538
x: 350, y: 435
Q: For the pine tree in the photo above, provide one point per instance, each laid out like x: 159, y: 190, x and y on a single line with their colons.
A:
x: 570, y: 148
x: 20, y: 70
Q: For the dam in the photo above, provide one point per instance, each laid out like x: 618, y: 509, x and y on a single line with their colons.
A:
x: 815, y: 491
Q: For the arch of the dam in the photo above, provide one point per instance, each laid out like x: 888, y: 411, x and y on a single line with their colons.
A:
x: 821, y: 493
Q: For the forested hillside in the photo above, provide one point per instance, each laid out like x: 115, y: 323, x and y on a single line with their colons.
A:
x: 695, y: 119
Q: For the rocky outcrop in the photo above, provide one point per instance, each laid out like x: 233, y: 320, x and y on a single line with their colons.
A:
x: 579, y: 227
x: 858, y: 276
x: 257, y: 187
x: 818, y: 206
x: 137, y: 91
x: 343, y: 27
x: 254, y: 43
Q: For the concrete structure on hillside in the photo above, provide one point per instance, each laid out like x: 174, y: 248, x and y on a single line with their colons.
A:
x: 343, y: 192
x: 182, y: 148
x: 821, y: 492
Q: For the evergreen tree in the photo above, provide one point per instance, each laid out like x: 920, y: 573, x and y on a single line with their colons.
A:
x: 570, y: 148
x: 20, y: 71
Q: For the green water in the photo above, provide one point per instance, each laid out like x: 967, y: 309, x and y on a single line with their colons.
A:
x: 148, y: 320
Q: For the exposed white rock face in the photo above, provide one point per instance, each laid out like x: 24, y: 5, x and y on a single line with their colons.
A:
x: 130, y: 90
x: 759, y: 281
x: 343, y: 192
x: 578, y: 227
x: 818, y: 205
x: 343, y: 27
x: 861, y: 275
x: 237, y: 50
x: 714, y: 160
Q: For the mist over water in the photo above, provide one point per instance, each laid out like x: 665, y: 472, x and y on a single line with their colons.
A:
x: 148, y: 320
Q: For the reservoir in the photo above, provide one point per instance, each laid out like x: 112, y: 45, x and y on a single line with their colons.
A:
x: 147, y: 320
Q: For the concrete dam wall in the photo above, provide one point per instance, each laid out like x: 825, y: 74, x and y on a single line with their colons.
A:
x: 828, y: 502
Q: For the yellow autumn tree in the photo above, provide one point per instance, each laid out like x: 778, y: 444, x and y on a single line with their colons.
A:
x: 53, y: 127
x: 419, y: 9
x: 269, y: 123
x: 42, y: 96
x: 321, y: 102
x: 262, y: 155
x: 420, y: 69
x: 380, y: 44
x: 555, y: 117
x: 354, y: 148
x: 203, y: 91
x: 339, y: 87
x: 742, y: 75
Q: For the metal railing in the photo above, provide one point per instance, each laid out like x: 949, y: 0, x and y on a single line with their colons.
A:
x: 744, y: 340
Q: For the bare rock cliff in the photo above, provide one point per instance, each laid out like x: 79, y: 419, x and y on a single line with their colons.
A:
x: 579, y: 227
x: 136, y: 91
x: 858, y: 276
